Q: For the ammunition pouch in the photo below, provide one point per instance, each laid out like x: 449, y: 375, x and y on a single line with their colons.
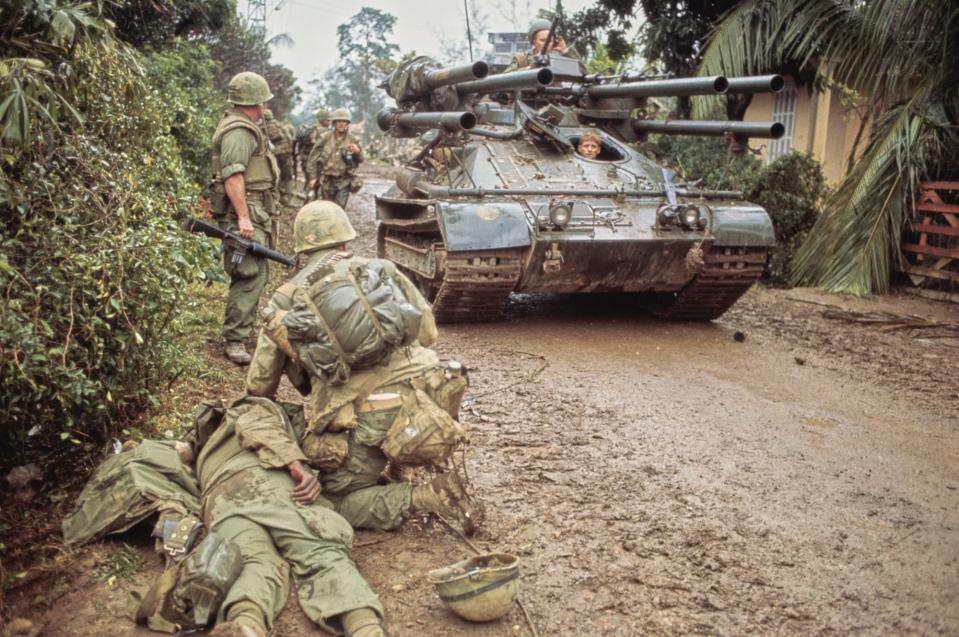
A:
x: 326, y: 451
x: 216, y: 194
x: 422, y: 433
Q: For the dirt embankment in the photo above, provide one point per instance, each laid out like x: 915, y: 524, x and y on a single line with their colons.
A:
x: 667, y: 479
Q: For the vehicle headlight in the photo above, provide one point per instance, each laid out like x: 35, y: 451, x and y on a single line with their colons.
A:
x: 691, y: 217
x: 560, y: 214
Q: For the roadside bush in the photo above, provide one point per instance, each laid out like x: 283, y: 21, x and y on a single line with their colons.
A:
x: 708, y: 159
x: 92, y: 265
x: 790, y: 188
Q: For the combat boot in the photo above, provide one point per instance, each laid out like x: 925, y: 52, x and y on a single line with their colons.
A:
x: 236, y: 352
x: 362, y: 622
x: 446, y: 496
x: 244, y: 619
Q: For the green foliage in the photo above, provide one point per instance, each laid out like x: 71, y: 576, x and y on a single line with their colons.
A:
x: 900, y: 56
x: 612, y: 19
x: 121, y: 564
x: 366, y: 57
x: 236, y: 48
x: 92, y: 264
x: 790, y: 188
x: 709, y: 159
x: 182, y: 75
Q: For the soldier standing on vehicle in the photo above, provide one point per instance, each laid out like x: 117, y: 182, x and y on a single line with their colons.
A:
x: 333, y: 161
x: 282, y: 142
x: 537, y: 35
x: 349, y: 421
x: 243, y: 200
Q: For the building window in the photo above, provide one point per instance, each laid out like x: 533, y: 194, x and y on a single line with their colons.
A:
x: 503, y: 47
x: 784, y: 111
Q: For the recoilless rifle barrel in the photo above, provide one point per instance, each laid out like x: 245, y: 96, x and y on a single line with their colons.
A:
x: 453, y: 122
x: 716, y: 85
x: 452, y: 75
x: 770, y: 130
x: 512, y: 81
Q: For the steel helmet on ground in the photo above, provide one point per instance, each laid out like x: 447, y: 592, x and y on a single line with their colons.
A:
x: 321, y: 224
x: 481, y: 588
x: 248, y: 89
x: 341, y: 114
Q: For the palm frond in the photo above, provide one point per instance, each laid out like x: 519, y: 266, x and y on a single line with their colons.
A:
x: 855, y: 242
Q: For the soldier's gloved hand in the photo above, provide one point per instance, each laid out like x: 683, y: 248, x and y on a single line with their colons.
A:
x: 307, y: 488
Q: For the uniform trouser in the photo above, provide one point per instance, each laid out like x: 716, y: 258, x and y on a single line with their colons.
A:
x: 247, y: 280
x: 355, y: 489
x: 336, y: 190
x: 276, y: 536
x: 285, y: 163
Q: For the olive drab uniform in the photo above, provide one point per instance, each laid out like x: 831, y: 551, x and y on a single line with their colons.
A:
x: 305, y: 141
x: 349, y: 421
x: 334, y: 168
x: 246, y: 500
x: 240, y: 146
x: 283, y: 150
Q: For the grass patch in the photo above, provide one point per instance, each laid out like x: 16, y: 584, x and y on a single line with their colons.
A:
x: 120, y: 564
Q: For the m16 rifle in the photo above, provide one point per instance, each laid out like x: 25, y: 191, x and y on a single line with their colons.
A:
x: 498, y: 199
x: 238, y: 244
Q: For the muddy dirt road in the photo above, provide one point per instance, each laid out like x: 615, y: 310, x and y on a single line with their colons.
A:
x: 665, y: 479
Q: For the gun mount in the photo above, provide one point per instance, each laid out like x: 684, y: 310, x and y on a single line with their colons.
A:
x: 499, y: 199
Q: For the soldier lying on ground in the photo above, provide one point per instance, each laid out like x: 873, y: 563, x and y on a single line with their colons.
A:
x: 355, y: 421
x: 258, y: 493
x: 263, y: 515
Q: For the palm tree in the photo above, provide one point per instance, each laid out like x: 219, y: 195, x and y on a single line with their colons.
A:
x: 901, y: 55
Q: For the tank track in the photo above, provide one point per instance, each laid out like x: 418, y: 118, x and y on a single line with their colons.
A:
x: 728, y: 273
x: 476, y: 286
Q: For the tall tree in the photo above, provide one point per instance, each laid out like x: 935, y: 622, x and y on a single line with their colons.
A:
x: 901, y: 56
x: 365, y: 58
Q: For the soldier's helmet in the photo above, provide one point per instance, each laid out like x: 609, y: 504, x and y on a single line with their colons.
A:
x: 248, y: 89
x: 341, y: 114
x: 540, y: 24
x: 322, y: 114
x: 321, y: 224
x: 267, y: 114
x: 481, y: 588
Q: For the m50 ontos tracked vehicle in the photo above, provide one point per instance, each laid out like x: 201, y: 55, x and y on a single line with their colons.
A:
x: 498, y: 200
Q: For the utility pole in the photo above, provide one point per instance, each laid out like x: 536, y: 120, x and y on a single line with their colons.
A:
x: 256, y: 14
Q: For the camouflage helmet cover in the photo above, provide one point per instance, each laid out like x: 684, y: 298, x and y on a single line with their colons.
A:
x: 540, y: 24
x: 322, y: 114
x: 248, y: 89
x: 341, y: 114
x: 321, y: 224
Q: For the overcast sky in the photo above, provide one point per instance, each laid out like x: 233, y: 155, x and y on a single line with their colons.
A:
x: 420, y: 25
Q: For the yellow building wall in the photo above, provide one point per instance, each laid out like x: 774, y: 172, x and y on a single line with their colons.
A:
x: 824, y: 127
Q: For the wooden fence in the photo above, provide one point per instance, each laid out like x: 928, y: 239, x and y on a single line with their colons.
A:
x: 931, y: 243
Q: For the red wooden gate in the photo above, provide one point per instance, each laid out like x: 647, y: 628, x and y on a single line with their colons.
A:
x: 931, y: 244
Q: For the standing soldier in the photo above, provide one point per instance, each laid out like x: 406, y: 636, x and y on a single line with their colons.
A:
x: 283, y: 150
x: 537, y: 35
x: 306, y: 139
x: 333, y: 161
x: 242, y: 197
